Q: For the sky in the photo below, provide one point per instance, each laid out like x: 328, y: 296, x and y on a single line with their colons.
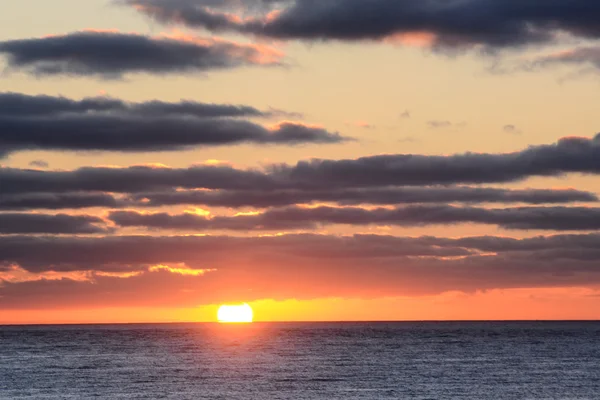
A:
x: 319, y: 160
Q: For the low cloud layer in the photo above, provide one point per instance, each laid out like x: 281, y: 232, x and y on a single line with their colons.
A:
x: 245, y: 269
x: 113, y: 55
x: 490, y: 24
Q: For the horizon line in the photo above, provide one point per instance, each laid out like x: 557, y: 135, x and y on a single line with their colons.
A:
x: 4, y: 325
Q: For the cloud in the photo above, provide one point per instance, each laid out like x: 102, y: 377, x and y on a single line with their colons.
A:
x: 361, y: 124
x: 381, y: 196
x: 15, y: 223
x: 267, y: 221
x: 584, y: 56
x: 112, y: 55
x: 131, y: 179
x: 436, y: 124
x: 140, y: 127
x: 57, y: 201
x: 157, y: 287
x: 274, y: 112
x: 568, y: 155
x: 512, y: 129
x: 300, y: 218
x: 246, y: 269
x: 39, y: 164
x: 443, y: 124
x: 278, y: 198
x: 290, y: 132
x: 489, y: 24
x: 126, y: 253
x: 22, y: 105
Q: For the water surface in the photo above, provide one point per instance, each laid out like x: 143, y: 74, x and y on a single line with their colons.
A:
x: 460, y: 360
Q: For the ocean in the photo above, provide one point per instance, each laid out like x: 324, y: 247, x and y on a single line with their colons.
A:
x: 404, y: 360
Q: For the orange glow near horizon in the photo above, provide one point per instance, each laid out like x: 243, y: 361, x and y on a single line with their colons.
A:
x: 573, y: 303
x: 235, y: 314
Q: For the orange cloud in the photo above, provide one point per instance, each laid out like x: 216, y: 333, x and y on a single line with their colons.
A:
x: 181, y: 270
x: 412, y: 39
x: 16, y: 274
x: 255, y: 53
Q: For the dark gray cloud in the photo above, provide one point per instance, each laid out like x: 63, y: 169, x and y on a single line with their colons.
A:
x: 59, y: 123
x: 382, y: 196
x: 269, y: 221
x: 16, y: 223
x: 451, y: 24
x: 58, y: 201
x: 294, y: 218
x: 133, y: 133
x: 18, y: 104
x: 130, y: 180
x: 120, y: 253
x: 113, y: 55
x: 569, y: 155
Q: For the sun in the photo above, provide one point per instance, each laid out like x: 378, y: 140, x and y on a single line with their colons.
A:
x: 235, y: 314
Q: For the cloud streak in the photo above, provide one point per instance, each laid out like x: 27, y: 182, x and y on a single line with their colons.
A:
x: 568, y: 155
x: 23, y: 105
x: 301, y: 218
x: 279, y: 198
x: 59, y: 201
x: 17, y: 223
x: 112, y: 55
x: 377, y: 196
x: 105, y: 124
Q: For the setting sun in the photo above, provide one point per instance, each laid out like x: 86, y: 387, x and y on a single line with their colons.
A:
x: 235, y: 314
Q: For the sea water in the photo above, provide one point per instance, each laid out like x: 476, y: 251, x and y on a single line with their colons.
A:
x: 429, y: 360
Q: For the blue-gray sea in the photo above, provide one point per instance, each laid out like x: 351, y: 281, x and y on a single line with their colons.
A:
x: 429, y: 360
